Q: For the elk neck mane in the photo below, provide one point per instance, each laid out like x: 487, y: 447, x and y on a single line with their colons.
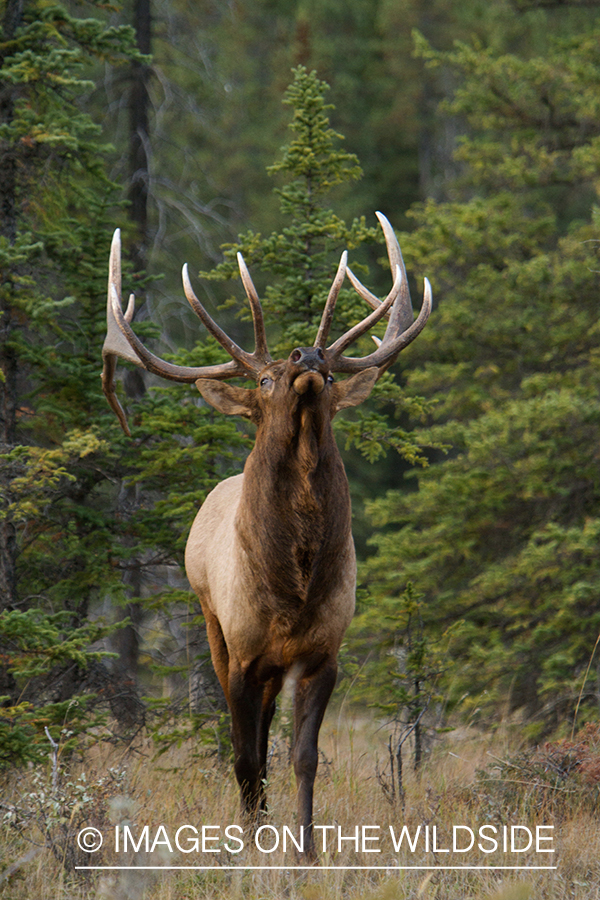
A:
x: 293, y: 521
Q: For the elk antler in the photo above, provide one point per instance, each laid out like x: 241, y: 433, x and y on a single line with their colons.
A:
x: 122, y: 341
x: 401, y: 329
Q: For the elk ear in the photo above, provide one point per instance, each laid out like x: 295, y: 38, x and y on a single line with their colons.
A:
x: 354, y: 390
x: 228, y: 399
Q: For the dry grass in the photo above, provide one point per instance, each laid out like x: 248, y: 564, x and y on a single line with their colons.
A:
x: 173, y: 791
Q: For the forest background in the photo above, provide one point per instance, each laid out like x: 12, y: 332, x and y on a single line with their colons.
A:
x: 474, y: 474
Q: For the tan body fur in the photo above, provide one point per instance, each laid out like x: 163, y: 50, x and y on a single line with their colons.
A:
x: 222, y: 575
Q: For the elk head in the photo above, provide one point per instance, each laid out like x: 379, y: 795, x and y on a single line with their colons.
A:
x: 308, y: 371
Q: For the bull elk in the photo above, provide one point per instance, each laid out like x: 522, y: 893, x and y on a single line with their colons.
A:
x: 270, y: 554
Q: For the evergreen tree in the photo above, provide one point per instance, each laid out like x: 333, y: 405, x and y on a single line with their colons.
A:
x: 54, y: 198
x: 412, y: 689
x: 69, y: 539
x: 502, y: 534
x: 301, y: 257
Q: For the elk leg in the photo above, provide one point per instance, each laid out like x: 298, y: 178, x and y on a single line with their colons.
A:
x: 245, y: 705
x: 312, y: 695
x: 267, y: 712
x: 218, y: 649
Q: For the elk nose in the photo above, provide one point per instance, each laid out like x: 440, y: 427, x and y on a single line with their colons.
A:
x: 311, y: 357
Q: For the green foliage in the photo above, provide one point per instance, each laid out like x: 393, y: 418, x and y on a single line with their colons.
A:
x: 79, y: 504
x: 58, y: 541
x: 311, y: 156
x: 39, y: 640
x: 407, y: 665
x: 205, y: 733
x: 418, y: 665
x: 184, y: 448
x: 37, y: 649
x: 502, y: 533
x: 301, y: 256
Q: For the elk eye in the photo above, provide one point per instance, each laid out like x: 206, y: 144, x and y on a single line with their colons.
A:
x: 330, y: 379
x: 266, y: 381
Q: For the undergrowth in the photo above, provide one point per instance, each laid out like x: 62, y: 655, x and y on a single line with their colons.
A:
x: 470, y: 781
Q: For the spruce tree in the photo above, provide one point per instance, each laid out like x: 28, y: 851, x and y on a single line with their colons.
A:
x: 296, y: 265
x: 55, y: 199
x: 303, y: 256
x: 503, y: 532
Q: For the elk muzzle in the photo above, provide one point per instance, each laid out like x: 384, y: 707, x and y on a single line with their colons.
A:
x: 313, y: 369
x: 309, y: 381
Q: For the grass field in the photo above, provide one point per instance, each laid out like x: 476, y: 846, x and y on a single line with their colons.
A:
x: 553, y: 792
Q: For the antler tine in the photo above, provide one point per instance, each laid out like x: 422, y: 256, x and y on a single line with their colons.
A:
x: 114, y: 344
x: 327, y: 317
x: 108, y: 387
x: 158, y: 366
x: 121, y: 341
x: 217, y: 332
x: 392, y: 345
x: 251, y: 363
x: 388, y: 349
x: 261, y: 350
x: 354, y: 333
x: 401, y: 316
x: 401, y: 328
x: 364, y: 292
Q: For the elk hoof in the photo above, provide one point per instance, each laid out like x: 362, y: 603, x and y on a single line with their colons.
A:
x: 309, y: 381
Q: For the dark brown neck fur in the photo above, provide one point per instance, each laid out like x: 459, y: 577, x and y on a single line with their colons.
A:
x: 294, y: 517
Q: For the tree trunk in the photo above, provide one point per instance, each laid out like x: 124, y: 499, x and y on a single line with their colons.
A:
x: 127, y: 643
x: 139, y: 131
x: 13, y: 14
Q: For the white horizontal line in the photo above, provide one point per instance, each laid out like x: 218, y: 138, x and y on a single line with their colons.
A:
x: 317, y: 868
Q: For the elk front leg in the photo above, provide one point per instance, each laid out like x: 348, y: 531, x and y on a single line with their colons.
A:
x: 246, y: 705
x: 218, y: 649
x: 313, y: 691
x: 271, y: 690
